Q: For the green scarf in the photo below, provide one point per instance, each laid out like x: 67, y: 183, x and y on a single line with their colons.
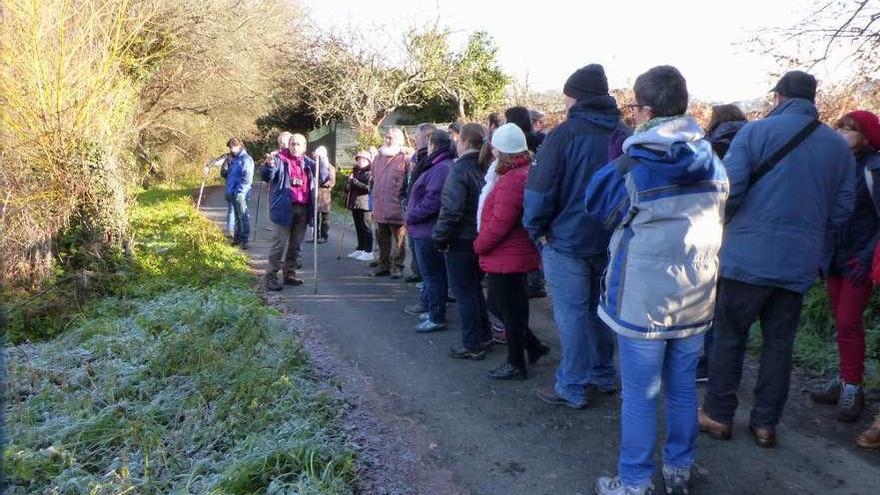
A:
x: 655, y: 122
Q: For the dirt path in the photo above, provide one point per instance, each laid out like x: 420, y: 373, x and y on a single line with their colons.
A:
x: 437, y: 425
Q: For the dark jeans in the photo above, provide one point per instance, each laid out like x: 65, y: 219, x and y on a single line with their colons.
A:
x: 463, y: 269
x: 414, y: 261
x: 323, y: 225
x: 362, y: 226
x: 739, y: 305
x: 242, y: 217
x: 510, y: 294
x: 536, y: 281
x: 434, y: 276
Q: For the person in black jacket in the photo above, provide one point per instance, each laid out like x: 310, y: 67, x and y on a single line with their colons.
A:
x: 454, y: 234
x: 358, y: 201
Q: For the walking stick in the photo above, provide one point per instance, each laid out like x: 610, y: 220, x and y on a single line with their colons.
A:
x: 202, y: 188
x: 315, y: 224
x: 257, y: 216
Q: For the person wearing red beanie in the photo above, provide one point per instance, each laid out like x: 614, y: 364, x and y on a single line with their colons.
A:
x: 849, y: 278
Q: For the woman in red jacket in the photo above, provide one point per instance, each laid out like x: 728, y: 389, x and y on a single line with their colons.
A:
x: 506, y: 252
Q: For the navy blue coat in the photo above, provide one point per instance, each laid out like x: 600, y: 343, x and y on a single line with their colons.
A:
x: 778, y: 230
x: 567, y: 160
x: 278, y: 177
x: 858, y: 238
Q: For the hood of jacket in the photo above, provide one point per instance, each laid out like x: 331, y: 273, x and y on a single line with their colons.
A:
x: 675, y: 149
x: 726, y: 131
x: 600, y: 110
x: 796, y: 106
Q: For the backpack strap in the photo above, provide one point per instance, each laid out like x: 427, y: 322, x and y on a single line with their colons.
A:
x: 765, y: 167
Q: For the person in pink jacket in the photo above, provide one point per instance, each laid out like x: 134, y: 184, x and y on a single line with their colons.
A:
x: 389, y: 171
x: 507, y: 253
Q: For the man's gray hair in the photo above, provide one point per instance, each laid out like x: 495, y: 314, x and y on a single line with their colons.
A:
x: 284, y: 140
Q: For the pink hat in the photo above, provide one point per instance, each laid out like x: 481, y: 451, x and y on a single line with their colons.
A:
x: 870, y: 126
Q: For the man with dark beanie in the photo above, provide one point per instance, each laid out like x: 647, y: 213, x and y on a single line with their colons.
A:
x: 573, y: 246
x: 792, y: 182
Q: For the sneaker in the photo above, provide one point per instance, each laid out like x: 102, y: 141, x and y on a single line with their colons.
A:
x: 827, y: 393
x: 852, y: 403
x: 365, y: 256
x: 870, y: 438
x: 428, y: 326
x: 465, y: 353
x: 549, y: 395
x: 415, y: 309
x: 499, y: 335
x: 508, y: 371
x: 677, y: 480
x: 613, y: 486
x: 425, y: 316
x: 355, y: 254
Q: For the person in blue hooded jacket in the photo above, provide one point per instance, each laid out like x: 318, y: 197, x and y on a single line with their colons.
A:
x: 239, y: 178
x: 664, y: 201
x: 573, y: 245
x: 780, y: 222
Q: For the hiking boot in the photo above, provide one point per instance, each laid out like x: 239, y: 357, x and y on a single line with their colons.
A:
x: 765, y: 437
x: 870, y: 438
x: 381, y: 273
x: 395, y: 274
x: 613, y: 486
x: 540, y: 351
x: 715, y: 429
x: 428, y: 326
x: 508, y: 371
x: 272, y: 282
x: 412, y: 279
x: 465, y: 353
x: 549, y: 395
x: 415, y: 309
x: 677, y: 481
x: 852, y: 403
x: 827, y: 393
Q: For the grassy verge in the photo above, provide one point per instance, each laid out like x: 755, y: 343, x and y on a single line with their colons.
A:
x: 182, y: 382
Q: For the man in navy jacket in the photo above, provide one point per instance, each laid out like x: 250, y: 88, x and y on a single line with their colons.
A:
x: 778, y: 227
x: 574, y: 247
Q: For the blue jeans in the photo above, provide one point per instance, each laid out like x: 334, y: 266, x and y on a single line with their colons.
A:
x: 463, y: 270
x: 644, y: 365
x: 230, y: 216
x: 242, y: 218
x: 433, y: 269
x: 587, y: 344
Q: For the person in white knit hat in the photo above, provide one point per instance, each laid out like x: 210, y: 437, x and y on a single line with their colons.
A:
x: 507, y: 254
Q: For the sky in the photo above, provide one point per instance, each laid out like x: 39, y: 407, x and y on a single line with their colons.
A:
x: 546, y: 40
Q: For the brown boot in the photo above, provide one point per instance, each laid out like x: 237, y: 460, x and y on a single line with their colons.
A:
x: 764, y: 437
x: 870, y: 438
x: 290, y: 279
x: 852, y: 403
x: 715, y: 429
x: 827, y: 393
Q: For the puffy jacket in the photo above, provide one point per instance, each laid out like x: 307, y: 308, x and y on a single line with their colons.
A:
x: 503, y: 244
x: 359, y: 189
x: 571, y: 154
x: 858, y: 238
x: 723, y: 135
x: 458, y: 203
x: 664, y: 199
x: 240, y: 174
x: 777, y: 233
x: 278, y: 177
x: 389, y: 172
x: 423, y: 204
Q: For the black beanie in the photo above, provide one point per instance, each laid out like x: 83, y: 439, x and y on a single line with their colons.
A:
x: 797, y: 84
x: 587, y: 81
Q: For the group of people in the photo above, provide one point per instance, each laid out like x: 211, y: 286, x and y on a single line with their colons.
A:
x: 673, y: 238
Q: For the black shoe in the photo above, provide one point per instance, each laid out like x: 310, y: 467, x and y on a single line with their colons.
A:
x: 541, y: 351
x: 412, y: 279
x: 382, y: 273
x: 537, y: 293
x: 322, y: 240
x: 508, y: 371
x: 465, y: 353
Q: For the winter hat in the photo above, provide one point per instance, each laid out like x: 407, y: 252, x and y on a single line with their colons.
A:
x: 510, y: 139
x: 797, y: 84
x: 587, y: 81
x: 364, y: 154
x: 870, y: 126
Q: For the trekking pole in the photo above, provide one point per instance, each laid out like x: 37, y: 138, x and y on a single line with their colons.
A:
x: 315, y: 226
x: 257, y: 216
x: 202, y: 188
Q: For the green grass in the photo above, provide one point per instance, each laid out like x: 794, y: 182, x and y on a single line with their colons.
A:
x: 182, y: 382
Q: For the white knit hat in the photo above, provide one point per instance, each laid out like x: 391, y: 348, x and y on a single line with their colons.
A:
x: 509, y: 138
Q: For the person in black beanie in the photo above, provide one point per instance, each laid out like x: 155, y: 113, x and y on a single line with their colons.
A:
x: 573, y: 246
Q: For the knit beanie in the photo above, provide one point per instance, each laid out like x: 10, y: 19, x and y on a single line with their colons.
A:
x: 510, y: 139
x: 587, y: 81
x: 870, y: 126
